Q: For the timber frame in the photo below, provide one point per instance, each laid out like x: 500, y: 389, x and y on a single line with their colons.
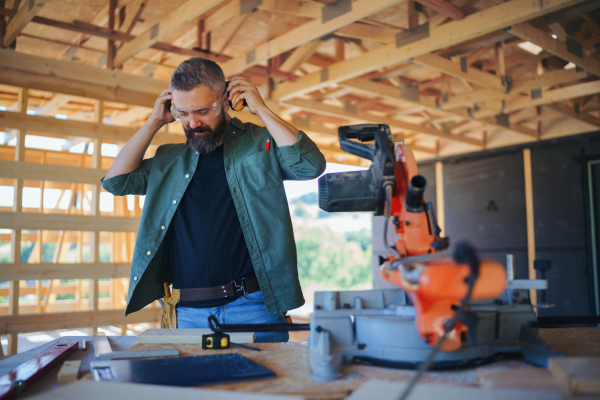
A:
x: 447, y: 76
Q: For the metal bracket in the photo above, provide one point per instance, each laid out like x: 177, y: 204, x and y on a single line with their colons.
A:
x: 335, y: 9
x: 324, y: 74
x: 250, y: 57
x: 247, y: 6
x: 412, y: 35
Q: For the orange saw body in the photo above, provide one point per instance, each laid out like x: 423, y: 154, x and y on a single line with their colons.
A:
x: 436, y: 285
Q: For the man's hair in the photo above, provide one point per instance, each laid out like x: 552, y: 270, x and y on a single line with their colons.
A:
x: 198, y: 71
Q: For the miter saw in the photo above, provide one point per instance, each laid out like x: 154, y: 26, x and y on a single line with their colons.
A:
x: 447, y: 299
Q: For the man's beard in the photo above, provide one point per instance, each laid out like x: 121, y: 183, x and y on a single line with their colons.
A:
x: 209, y: 139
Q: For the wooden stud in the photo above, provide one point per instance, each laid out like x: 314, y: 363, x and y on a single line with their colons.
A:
x: 110, y: 53
x: 530, y: 221
x: 15, y: 254
x: 411, y: 14
x: 340, y: 53
x: 439, y: 196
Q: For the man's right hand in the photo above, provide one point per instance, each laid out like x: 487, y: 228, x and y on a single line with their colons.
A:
x: 160, y: 114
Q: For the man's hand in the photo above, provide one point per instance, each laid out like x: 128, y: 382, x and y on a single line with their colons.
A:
x: 247, y: 91
x: 160, y: 114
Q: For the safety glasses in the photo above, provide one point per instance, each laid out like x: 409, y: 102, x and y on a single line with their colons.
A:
x: 204, y: 114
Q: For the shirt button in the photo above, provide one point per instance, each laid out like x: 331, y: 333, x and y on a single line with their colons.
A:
x: 196, y: 152
x: 162, y: 227
x: 187, y: 175
x: 174, y: 201
x: 135, y: 278
x: 149, y: 252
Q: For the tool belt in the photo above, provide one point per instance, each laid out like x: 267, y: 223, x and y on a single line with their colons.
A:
x: 169, y: 313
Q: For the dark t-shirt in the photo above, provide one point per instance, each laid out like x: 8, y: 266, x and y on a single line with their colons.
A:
x: 209, y: 246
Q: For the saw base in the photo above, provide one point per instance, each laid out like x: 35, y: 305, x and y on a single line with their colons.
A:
x: 378, y: 327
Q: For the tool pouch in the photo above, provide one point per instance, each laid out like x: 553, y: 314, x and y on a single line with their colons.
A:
x: 168, y: 319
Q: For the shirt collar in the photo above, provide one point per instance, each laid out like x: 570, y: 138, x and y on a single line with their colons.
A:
x: 237, y: 123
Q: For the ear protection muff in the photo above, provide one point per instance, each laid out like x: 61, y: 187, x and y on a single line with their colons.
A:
x: 240, y: 106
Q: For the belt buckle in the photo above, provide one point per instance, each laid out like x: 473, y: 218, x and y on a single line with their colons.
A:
x: 240, y: 288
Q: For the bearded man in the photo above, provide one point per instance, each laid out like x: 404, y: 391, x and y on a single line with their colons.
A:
x: 215, y: 224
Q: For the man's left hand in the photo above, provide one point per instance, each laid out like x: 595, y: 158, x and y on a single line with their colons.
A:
x: 248, y: 92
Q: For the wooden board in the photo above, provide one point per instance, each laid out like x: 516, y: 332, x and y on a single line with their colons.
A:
x: 69, y: 372
x: 103, y: 351
x: 188, y: 336
x: 581, y: 375
x: 521, y: 378
x: 390, y: 390
x: 90, y: 390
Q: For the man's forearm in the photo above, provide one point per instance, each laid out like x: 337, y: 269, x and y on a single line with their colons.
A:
x: 131, y: 155
x: 283, y: 133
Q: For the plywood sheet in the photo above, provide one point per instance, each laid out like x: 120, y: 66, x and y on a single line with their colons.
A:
x: 90, y: 390
x: 580, y: 374
x: 390, y: 390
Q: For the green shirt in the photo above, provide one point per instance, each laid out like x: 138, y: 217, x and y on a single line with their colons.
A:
x: 255, y: 177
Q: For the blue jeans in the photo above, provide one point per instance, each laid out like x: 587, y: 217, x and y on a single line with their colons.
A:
x: 247, y: 309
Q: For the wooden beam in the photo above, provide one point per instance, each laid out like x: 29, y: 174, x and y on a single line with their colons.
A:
x: 24, y: 15
x: 46, y: 172
x: 185, y: 13
x: 559, y: 31
x: 451, y: 33
x: 321, y: 108
x: 445, y: 8
x: 529, y: 33
x: 27, y: 271
x: 36, y: 221
x: 134, y: 11
x: 362, y: 31
x: 304, y: 33
x: 428, y: 102
x: 72, y: 320
x: 520, y: 85
x: 451, y: 68
x: 131, y: 115
x: 300, y: 55
x: 53, y: 105
x: 582, y: 115
x: 24, y: 70
x: 554, y: 96
x: 228, y: 32
x: 306, y: 9
x: 38, y: 123
x: 530, y: 221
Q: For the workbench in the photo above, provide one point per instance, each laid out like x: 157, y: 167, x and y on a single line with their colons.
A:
x: 290, y: 361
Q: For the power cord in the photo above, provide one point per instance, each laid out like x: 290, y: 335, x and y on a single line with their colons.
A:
x: 463, y: 253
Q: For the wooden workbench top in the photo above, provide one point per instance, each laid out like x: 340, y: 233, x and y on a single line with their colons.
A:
x: 290, y: 361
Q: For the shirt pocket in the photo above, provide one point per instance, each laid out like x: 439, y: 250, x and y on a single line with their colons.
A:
x: 261, y: 171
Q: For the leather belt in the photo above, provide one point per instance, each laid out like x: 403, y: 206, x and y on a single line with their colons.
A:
x: 228, y: 290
